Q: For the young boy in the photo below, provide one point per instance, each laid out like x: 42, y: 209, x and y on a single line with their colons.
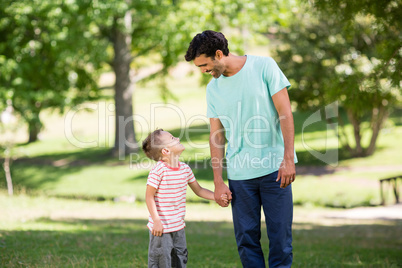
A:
x: 166, y: 200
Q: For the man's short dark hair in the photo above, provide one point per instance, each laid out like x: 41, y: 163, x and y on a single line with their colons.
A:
x: 207, y: 42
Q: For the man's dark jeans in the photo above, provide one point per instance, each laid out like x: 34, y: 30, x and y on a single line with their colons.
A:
x: 277, y: 203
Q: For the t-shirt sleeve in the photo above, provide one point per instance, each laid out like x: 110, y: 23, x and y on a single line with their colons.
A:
x: 190, y: 175
x: 274, y: 77
x: 154, y: 178
x: 211, y: 112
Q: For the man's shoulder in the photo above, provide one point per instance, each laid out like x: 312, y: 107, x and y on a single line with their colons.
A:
x: 212, y: 83
x: 260, y: 59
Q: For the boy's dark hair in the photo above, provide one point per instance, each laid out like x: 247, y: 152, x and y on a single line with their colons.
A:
x: 207, y: 42
x: 151, y: 145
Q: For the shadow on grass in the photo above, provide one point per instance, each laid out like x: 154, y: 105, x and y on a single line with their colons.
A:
x: 32, y: 174
x: 124, y: 243
x: 80, y: 158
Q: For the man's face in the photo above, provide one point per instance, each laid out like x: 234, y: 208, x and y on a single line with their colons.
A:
x: 208, y: 65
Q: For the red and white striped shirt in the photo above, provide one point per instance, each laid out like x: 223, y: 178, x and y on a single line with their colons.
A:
x: 170, y: 197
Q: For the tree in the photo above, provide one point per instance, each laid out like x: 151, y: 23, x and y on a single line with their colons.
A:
x: 9, y: 125
x: 74, y: 39
x: 161, y: 29
x: 44, y: 63
x: 384, y: 17
x: 386, y: 12
x: 355, y: 63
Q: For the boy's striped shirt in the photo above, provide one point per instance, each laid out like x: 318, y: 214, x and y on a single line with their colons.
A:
x: 170, y: 197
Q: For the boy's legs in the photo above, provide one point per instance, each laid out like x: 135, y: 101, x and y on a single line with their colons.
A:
x: 168, y: 250
x: 179, y: 253
x: 246, y: 210
x: 159, y: 252
x: 278, y: 209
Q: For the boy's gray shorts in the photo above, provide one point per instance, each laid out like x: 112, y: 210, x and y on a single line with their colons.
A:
x: 168, y: 250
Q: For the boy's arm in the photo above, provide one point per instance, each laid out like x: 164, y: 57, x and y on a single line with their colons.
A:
x: 201, y: 192
x: 150, y: 200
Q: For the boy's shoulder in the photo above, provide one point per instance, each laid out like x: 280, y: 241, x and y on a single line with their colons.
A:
x: 184, y: 166
x: 158, y: 166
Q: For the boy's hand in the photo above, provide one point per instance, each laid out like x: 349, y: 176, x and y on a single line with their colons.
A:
x: 224, y: 198
x: 221, y: 189
x: 158, y: 228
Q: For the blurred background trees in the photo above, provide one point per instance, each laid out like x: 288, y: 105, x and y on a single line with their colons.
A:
x: 52, y: 53
x: 45, y: 63
x: 355, y: 61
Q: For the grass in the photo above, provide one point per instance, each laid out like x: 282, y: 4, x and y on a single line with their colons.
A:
x: 123, y: 243
x: 74, y: 230
x: 52, y: 232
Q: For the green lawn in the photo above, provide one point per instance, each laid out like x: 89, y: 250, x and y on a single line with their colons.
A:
x: 53, y: 232
x: 56, y: 218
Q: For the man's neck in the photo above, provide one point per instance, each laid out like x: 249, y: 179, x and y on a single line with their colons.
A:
x: 234, y: 64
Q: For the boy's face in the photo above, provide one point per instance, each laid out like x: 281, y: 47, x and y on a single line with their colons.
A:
x: 171, y: 143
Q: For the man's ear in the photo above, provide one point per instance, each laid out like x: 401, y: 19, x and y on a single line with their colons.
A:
x: 165, y: 151
x: 219, y: 54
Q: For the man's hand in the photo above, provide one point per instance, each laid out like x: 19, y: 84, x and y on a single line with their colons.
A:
x: 220, y: 190
x: 158, y: 228
x: 286, y: 172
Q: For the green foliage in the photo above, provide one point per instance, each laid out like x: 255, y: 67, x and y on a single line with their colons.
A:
x: 355, y: 64
x: 45, y: 62
x: 52, y: 51
x: 387, y: 12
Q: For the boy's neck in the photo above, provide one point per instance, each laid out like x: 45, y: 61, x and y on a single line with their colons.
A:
x: 172, y: 161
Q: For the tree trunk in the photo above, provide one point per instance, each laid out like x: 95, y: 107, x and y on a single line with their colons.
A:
x: 342, y: 136
x: 34, y: 128
x: 358, y: 151
x: 378, y: 118
x: 7, y: 172
x: 125, y: 141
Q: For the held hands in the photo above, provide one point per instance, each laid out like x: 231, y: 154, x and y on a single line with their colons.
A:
x: 222, y: 194
x: 158, y: 228
x: 224, y: 198
x: 286, y: 172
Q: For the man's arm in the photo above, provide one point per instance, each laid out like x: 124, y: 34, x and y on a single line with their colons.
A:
x: 287, y: 170
x: 217, y: 147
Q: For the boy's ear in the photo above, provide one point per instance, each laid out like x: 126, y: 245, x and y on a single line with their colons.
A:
x: 165, y: 151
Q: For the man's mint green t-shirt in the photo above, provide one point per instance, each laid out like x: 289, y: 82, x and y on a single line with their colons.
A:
x: 243, y: 103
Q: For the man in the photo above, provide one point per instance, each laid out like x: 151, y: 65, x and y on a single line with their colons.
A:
x: 248, y: 104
